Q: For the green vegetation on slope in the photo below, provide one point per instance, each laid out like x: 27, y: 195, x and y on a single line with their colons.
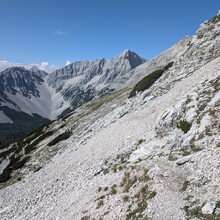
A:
x: 18, y: 152
x: 60, y: 137
x: 184, y: 126
x: 22, y: 125
x: 149, y: 80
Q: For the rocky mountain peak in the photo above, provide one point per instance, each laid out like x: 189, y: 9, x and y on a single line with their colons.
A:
x: 127, y: 53
x: 82, y: 81
x: 104, y: 68
x: 36, y: 70
x: 19, y: 80
x: 12, y: 70
x: 133, y: 58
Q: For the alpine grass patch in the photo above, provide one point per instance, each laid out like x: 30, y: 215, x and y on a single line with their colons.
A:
x: 149, y: 80
x: 60, y: 137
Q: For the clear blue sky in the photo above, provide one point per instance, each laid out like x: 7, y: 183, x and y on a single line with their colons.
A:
x: 32, y: 31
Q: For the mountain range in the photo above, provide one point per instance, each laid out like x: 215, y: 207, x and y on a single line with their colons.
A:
x: 36, y: 97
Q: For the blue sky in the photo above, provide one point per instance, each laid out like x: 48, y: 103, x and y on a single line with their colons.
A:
x: 56, y: 31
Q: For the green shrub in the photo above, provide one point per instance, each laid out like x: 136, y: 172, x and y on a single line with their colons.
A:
x: 185, y: 185
x: 125, y: 198
x: 19, y: 164
x: 4, y: 154
x: 171, y: 157
x: 140, y: 141
x: 5, y: 175
x: 15, y: 163
x: 99, y: 189
x: 67, y: 116
x: 152, y: 195
x: 149, y: 80
x: 106, y: 188
x: 105, y: 171
x: 146, y: 82
x: 37, y: 169
x: 168, y: 66
x: 29, y: 148
x: 100, y: 203
x: 60, y: 137
x: 43, y: 136
x: 184, y: 126
x: 85, y: 217
x: 192, y: 212
x: 113, y: 189
x: 2, y: 146
x: 32, y: 146
x: 217, y: 205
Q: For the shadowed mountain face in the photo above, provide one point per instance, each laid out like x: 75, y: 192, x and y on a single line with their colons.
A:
x: 20, y: 125
x: 19, y: 80
x: 17, y: 85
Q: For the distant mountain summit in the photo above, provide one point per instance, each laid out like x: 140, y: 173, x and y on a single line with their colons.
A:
x: 106, y: 69
x: 18, y: 80
x: 35, y: 70
x: 81, y: 81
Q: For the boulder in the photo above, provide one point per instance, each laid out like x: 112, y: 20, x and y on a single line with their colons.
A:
x: 208, y: 208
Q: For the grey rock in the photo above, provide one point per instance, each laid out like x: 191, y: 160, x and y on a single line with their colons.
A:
x: 154, y: 171
x: 217, y: 211
x: 183, y: 160
x: 208, y: 208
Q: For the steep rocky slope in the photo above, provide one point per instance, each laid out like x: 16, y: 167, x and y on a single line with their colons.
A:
x: 154, y: 156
